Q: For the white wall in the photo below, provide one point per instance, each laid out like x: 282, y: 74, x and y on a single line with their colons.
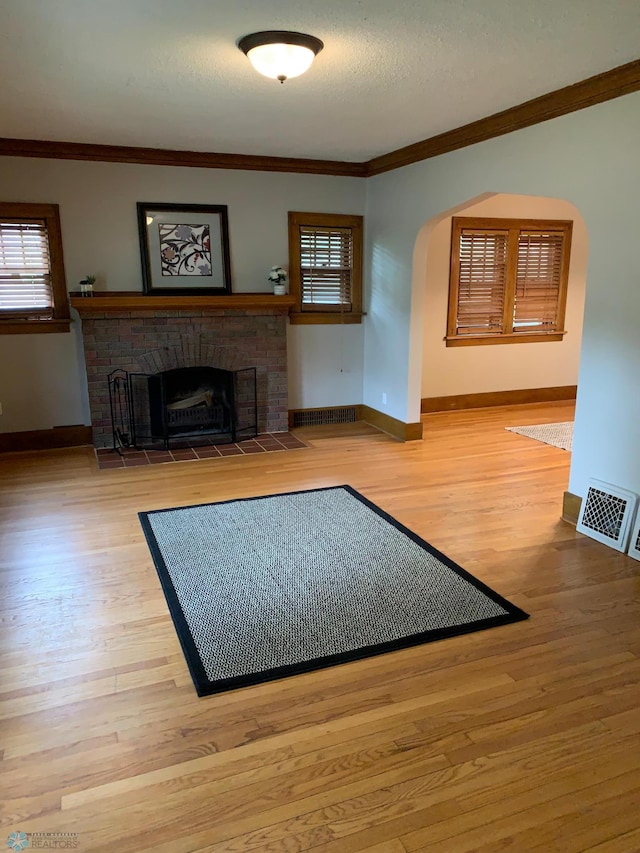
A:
x: 41, y: 382
x: 466, y: 370
x: 335, y: 350
x: 589, y: 158
x: 100, y: 236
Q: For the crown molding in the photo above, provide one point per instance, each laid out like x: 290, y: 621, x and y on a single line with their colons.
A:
x: 622, y: 80
x: 618, y: 81
x: 169, y: 157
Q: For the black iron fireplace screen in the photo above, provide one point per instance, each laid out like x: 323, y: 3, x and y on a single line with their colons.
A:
x: 182, y: 406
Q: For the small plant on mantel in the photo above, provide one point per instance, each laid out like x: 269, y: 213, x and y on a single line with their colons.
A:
x: 86, y: 285
x: 278, y: 277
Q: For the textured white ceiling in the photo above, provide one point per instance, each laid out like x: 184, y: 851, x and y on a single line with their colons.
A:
x: 168, y: 74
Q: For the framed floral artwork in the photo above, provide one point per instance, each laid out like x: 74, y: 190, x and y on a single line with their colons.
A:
x: 184, y: 248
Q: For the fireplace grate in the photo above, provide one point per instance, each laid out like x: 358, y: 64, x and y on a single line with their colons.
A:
x: 196, y: 416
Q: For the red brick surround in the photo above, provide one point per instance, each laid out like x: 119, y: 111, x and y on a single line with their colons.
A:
x: 143, y: 340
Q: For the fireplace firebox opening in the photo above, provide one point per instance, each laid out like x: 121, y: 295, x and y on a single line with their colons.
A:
x: 184, y: 405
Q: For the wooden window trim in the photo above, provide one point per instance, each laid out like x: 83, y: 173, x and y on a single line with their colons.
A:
x: 60, y: 315
x: 313, y: 318
x: 298, y: 316
x: 513, y: 226
x: 518, y: 338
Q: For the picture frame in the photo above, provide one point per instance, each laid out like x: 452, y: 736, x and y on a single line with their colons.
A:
x: 184, y: 249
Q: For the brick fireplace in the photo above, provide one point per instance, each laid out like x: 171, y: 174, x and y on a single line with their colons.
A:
x: 137, y: 333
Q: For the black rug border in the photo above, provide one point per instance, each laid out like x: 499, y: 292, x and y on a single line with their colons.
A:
x: 205, y: 687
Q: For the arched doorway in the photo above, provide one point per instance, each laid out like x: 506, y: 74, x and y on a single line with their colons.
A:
x: 440, y: 372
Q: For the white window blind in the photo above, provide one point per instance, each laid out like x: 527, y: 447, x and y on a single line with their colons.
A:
x: 25, y: 269
x: 481, y: 281
x: 538, y: 280
x: 326, y: 263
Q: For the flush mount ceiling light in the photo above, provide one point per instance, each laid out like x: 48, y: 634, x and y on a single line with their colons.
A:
x: 280, y: 54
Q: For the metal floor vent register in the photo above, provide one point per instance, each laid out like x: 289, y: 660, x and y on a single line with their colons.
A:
x: 323, y: 417
x: 634, y: 544
x: 606, y: 514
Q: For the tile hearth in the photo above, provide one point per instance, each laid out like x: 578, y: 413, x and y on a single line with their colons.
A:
x: 263, y: 443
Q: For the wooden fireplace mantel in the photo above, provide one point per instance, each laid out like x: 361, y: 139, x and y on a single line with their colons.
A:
x: 113, y: 302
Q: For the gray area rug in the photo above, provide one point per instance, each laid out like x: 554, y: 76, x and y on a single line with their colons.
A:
x: 263, y: 588
x: 558, y: 435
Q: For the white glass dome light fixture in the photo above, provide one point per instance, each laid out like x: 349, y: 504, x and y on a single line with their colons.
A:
x: 280, y: 54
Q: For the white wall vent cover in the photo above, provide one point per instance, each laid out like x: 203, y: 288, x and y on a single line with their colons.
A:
x: 606, y: 514
x: 634, y: 543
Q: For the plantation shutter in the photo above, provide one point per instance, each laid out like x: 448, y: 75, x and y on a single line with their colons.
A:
x: 482, y: 275
x: 538, y: 279
x: 25, y: 269
x: 326, y: 268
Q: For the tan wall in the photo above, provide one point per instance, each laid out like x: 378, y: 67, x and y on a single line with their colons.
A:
x: 467, y: 370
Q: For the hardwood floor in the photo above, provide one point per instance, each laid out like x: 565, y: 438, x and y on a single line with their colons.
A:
x: 521, y: 738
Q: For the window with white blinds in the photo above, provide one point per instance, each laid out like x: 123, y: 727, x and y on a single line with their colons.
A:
x: 25, y: 268
x: 482, y: 274
x: 538, y: 280
x: 326, y: 260
x: 33, y: 292
x: 508, y: 279
x: 325, y: 267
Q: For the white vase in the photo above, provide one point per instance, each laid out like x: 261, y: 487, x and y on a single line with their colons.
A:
x: 279, y: 289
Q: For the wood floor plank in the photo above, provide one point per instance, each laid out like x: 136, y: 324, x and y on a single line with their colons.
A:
x: 619, y: 843
x: 212, y: 768
x: 520, y: 738
x: 570, y: 824
x: 484, y: 806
